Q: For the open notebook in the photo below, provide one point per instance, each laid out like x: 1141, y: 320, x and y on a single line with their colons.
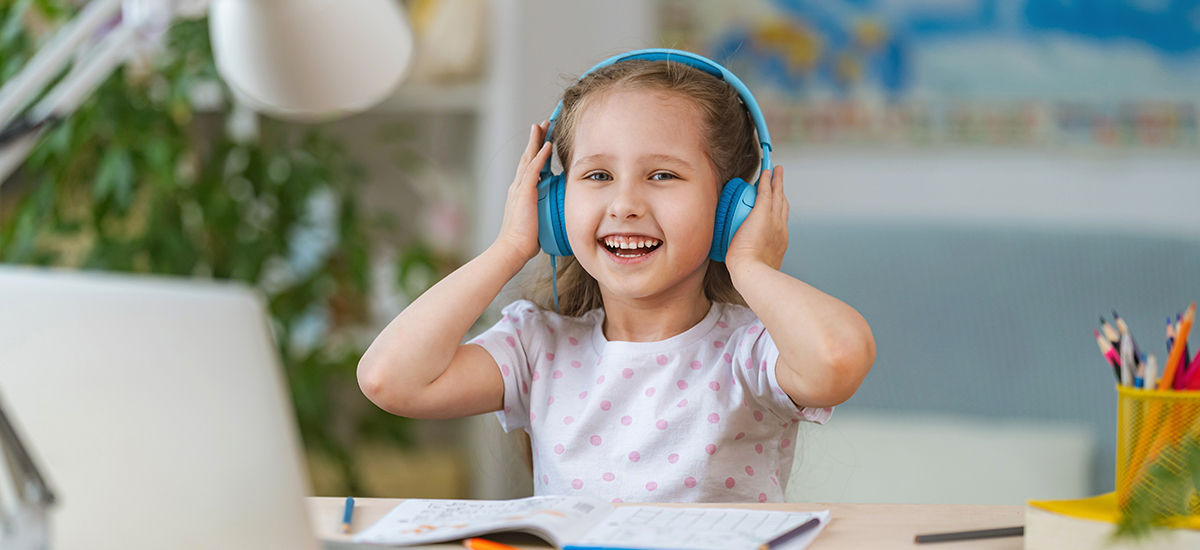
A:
x: 584, y: 523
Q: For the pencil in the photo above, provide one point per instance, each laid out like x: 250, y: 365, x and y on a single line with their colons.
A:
x: 347, y: 514
x: 485, y: 544
x: 784, y: 538
x: 971, y: 535
x: 1109, y: 353
x: 1169, y: 368
x: 1109, y: 332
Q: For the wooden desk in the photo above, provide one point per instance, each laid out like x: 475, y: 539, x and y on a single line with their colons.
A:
x: 870, y: 526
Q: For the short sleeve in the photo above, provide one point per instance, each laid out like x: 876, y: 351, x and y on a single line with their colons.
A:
x: 755, y: 356
x: 511, y: 342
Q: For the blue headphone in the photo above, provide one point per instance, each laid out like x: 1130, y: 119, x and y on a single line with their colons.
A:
x: 737, y: 196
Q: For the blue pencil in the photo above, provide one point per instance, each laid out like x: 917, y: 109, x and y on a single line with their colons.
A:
x: 347, y: 514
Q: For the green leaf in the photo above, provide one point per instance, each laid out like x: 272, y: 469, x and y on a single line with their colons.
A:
x: 114, y: 180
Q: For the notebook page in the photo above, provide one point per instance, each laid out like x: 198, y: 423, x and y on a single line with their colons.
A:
x: 651, y: 527
x: 417, y: 521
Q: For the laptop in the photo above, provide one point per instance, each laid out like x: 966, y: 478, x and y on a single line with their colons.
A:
x: 155, y: 409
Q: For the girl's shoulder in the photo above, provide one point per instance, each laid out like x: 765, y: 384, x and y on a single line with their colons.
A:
x: 736, y: 315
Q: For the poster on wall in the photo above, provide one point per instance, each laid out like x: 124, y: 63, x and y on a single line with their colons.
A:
x: 1097, y: 73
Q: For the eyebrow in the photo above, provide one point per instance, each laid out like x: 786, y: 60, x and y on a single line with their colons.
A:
x: 658, y: 157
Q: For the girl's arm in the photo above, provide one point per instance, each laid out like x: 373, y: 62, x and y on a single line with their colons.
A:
x: 825, y: 346
x: 416, y: 367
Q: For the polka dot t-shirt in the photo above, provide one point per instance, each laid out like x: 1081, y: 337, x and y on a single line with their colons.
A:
x: 698, y: 417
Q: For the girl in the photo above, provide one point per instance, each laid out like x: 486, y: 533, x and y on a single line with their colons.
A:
x: 667, y: 376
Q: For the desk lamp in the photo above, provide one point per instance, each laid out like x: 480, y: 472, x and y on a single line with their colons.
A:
x: 304, y: 60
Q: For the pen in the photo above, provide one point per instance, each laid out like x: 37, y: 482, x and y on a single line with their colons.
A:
x: 484, y: 544
x: 782, y: 539
x: 971, y: 535
x: 347, y: 514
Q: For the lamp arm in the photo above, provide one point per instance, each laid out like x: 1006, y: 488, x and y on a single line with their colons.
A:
x: 138, y: 20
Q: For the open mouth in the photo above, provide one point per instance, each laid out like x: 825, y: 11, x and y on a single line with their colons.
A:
x: 630, y: 247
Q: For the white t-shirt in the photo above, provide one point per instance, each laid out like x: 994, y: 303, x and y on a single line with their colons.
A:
x: 698, y: 417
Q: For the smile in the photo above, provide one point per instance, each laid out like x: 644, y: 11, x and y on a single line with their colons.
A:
x: 629, y: 247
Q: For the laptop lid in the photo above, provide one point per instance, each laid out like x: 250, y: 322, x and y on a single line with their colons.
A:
x: 156, y: 408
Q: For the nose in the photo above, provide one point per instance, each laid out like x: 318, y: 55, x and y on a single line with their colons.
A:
x: 628, y: 202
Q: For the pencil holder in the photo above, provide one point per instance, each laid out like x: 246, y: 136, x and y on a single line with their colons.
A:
x: 1158, y: 437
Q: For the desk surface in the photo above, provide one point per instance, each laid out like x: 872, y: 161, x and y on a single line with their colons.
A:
x: 881, y: 526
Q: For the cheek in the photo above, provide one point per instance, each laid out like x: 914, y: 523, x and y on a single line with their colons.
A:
x: 579, y: 219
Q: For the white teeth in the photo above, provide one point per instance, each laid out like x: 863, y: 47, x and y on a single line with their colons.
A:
x: 618, y: 242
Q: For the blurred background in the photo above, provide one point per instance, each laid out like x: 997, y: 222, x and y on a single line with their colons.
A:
x: 981, y: 179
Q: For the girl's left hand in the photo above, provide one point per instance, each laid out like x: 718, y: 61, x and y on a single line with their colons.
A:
x: 763, y: 237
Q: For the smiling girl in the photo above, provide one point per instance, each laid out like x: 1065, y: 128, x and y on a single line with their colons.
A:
x: 667, y: 375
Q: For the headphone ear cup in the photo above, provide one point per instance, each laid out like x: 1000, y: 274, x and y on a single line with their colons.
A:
x: 552, y: 230
x: 737, y: 199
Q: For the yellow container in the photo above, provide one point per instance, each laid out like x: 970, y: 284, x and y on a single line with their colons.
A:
x: 1151, y: 425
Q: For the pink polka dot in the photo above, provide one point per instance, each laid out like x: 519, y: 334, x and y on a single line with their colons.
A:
x: 775, y: 481
x: 710, y: 449
x: 649, y: 392
x: 617, y: 500
x: 682, y: 403
x: 753, y: 329
x: 576, y: 364
x: 784, y: 444
x: 672, y: 458
x: 722, y: 324
x: 627, y: 373
x: 608, y: 476
x: 758, y: 448
x: 689, y: 482
x: 559, y: 449
x: 713, y: 418
x: 758, y: 416
x: 524, y: 387
x: 546, y: 479
x: 763, y: 366
x: 714, y: 385
x: 507, y: 409
x: 661, y: 424
x: 729, y: 483
x: 536, y: 375
x: 551, y: 329
x: 532, y: 416
x: 605, y: 405
x: 682, y: 384
x: 573, y: 341
x: 557, y: 374
x: 626, y: 420
x: 568, y: 420
x: 511, y: 343
x: 662, y: 359
x: 583, y: 395
x: 550, y: 400
x: 696, y: 365
x: 749, y: 470
x: 600, y: 379
x: 595, y: 440
x: 635, y: 456
x: 739, y: 435
x: 728, y: 358
x: 577, y: 483
x: 651, y: 486
x: 518, y: 333
x: 718, y: 344
x: 549, y: 356
x: 505, y: 370
x: 762, y: 497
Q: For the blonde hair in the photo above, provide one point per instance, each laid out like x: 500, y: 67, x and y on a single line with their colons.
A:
x: 731, y: 147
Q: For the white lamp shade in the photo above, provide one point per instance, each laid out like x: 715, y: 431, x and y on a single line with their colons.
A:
x: 310, y: 59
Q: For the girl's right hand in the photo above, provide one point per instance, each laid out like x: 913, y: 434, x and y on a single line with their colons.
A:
x: 519, y: 230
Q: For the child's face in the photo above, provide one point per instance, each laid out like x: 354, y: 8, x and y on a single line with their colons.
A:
x: 639, y: 177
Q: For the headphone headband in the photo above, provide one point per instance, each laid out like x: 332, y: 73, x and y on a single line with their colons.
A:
x: 695, y: 61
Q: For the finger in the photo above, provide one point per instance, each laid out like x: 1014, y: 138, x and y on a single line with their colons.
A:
x: 535, y: 164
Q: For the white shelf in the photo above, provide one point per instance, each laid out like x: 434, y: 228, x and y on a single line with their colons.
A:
x: 422, y: 97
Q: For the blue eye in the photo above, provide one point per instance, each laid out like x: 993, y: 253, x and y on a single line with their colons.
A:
x: 662, y: 176
x: 598, y: 176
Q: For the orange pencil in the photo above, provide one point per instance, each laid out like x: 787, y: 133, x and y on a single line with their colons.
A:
x: 484, y: 544
x: 1185, y: 325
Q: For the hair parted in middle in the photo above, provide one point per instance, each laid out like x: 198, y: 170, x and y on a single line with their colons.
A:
x: 729, y: 136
